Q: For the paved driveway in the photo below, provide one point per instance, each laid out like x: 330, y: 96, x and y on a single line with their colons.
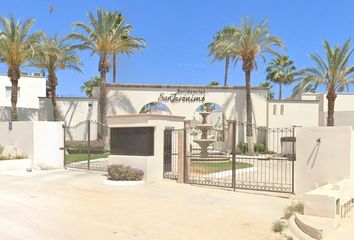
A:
x: 76, y: 205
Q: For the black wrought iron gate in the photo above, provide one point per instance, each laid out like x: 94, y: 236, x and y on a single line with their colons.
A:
x: 266, y: 164
x: 83, y: 146
x: 170, y: 157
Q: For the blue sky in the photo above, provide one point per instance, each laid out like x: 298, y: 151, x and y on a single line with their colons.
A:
x: 178, y: 33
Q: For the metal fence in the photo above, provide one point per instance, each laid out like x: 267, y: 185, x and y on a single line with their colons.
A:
x: 264, y: 164
x: 83, y: 148
x: 170, y: 158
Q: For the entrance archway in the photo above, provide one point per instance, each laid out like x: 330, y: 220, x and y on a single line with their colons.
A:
x: 155, y: 108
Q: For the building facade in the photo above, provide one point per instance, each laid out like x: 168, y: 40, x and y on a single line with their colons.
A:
x: 30, y: 88
x: 308, y: 109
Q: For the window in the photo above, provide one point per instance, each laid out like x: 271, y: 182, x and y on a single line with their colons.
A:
x: 8, y: 92
x: 274, y: 109
x: 282, y: 110
x: 136, y: 141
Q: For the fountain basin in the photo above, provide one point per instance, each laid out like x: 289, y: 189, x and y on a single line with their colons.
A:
x: 204, y: 116
x: 204, y: 144
x: 204, y: 127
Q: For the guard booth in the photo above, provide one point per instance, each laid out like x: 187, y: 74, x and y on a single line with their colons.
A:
x: 137, y: 141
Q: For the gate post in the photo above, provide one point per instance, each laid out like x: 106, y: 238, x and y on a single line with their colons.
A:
x: 180, y: 156
x: 88, y: 143
x: 233, y: 151
x: 64, y: 147
x: 186, y: 152
x: 293, y: 163
x: 229, y: 136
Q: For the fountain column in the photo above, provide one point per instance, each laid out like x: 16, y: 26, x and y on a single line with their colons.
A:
x: 204, y: 142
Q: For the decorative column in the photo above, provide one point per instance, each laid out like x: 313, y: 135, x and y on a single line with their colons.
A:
x: 229, y: 135
x: 180, y: 156
x: 186, y: 151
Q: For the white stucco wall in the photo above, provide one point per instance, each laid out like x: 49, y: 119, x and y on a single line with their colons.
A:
x: 23, y: 114
x: 326, y: 162
x: 39, y: 141
x: 48, y: 139
x: 344, y: 102
x: 20, y: 136
x: 30, y: 89
x: 72, y: 112
x: 151, y: 165
x: 343, y: 107
x: 129, y: 99
x: 300, y: 113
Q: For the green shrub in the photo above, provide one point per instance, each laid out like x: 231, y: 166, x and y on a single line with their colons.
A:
x: 77, y: 147
x: 259, y: 148
x: 125, y: 173
x: 290, y: 210
x: 96, y: 144
x: 2, y: 157
x: 299, y: 208
x: 278, y: 227
x: 241, y: 148
x: 1, y: 149
x: 289, y: 238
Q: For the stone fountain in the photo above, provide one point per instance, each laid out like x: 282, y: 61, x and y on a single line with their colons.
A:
x: 204, y: 142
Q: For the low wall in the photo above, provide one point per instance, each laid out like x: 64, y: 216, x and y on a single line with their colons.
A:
x: 151, y: 165
x: 16, y: 164
x: 323, y: 155
x: 39, y: 141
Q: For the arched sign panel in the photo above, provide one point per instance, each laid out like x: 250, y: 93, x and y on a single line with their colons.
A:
x: 183, y: 96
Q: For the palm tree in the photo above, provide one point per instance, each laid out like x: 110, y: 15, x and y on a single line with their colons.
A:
x: 16, y: 49
x: 282, y: 71
x: 53, y: 54
x: 213, y: 83
x: 114, y: 63
x: 119, y: 19
x: 332, y: 72
x: 105, y: 36
x: 209, y: 106
x: 218, y: 50
x: 148, y: 107
x: 270, y: 94
x: 252, y: 41
x: 90, y: 84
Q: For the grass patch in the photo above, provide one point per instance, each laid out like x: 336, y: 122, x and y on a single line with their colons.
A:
x: 213, y: 167
x: 71, y: 158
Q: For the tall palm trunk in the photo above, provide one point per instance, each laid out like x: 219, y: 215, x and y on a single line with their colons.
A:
x: 280, y: 88
x: 114, y: 67
x: 227, y: 61
x: 14, y: 74
x: 331, y: 97
x: 249, y: 132
x: 53, y: 87
x: 103, y: 69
